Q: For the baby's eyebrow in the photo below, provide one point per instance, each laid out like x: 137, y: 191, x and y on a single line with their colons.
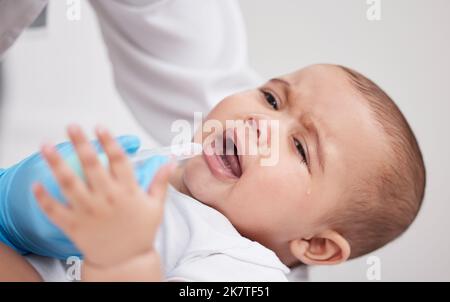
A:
x: 281, y: 81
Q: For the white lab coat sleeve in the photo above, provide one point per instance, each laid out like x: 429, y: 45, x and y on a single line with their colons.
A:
x: 172, y: 58
x: 15, y: 16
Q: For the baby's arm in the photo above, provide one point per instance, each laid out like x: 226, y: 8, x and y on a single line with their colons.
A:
x: 15, y: 268
x: 110, y: 219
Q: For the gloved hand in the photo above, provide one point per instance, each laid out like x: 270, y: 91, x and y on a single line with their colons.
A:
x: 23, y: 225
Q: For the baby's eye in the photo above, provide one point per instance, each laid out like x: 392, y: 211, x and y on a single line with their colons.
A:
x: 300, y: 150
x: 271, y: 100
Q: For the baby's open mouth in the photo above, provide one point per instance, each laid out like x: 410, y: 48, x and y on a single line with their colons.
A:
x: 223, y: 157
x: 229, y: 155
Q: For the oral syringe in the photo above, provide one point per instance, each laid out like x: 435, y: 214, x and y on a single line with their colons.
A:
x: 174, y: 152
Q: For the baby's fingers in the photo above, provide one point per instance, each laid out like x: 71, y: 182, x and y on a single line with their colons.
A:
x: 96, y: 175
x: 57, y: 212
x: 158, y: 187
x: 119, y: 164
x: 71, y: 186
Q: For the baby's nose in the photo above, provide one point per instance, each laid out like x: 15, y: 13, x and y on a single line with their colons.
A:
x: 254, y: 125
x: 262, y: 126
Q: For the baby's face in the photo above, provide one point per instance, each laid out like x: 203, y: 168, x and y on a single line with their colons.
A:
x: 327, y: 138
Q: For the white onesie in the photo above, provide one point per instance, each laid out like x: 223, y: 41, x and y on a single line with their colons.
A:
x: 197, y: 243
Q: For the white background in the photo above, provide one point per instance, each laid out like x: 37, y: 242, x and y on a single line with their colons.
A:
x: 407, y: 53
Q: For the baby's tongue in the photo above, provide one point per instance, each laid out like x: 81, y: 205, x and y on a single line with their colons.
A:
x: 234, y: 164
x: 230, y: 157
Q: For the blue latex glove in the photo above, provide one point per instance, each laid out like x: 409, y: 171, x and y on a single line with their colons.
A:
x: 23, y: 225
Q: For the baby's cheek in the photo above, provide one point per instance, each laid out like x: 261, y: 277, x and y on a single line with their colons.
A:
x: 271, y: 185
x: 290, y: 186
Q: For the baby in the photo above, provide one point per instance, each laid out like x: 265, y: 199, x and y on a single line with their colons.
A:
x: 349, y: 178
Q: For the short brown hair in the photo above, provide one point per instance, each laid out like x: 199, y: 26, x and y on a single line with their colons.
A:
x: 384, y: 204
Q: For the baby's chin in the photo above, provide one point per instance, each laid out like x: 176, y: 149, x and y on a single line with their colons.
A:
x: 202, y: 184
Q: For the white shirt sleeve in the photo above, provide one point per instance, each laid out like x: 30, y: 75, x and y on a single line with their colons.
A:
x: 223, y: 268
x: 174, y: 57
x: 15, y: 16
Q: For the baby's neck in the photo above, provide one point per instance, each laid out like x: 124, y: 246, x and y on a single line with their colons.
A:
x: 281, y: 249
x: 285, y: 255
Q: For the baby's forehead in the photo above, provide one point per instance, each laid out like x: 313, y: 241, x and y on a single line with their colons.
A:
x: 315, y: 75
x: 320, y: 91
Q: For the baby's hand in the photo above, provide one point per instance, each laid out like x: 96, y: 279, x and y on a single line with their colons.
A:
x: 109, y: 218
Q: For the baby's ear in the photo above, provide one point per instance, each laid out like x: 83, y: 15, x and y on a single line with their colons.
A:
x: 325, y: 248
